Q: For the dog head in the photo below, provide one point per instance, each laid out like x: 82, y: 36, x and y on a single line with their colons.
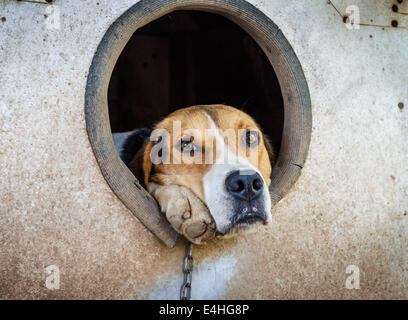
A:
x: 219, y: 153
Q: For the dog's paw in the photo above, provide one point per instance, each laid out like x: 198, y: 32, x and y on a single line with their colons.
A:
x: 187, y: 214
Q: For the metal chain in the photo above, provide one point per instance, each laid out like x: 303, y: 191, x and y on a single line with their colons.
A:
x: 185, y: 291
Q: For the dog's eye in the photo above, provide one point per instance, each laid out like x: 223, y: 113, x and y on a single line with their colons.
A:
x: 251, y: 138
x: 187, y: 146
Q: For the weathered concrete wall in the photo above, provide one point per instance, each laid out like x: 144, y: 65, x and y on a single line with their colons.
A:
x: 349, y: 207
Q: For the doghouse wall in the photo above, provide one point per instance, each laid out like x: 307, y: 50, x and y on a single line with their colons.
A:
x: 349, y: 206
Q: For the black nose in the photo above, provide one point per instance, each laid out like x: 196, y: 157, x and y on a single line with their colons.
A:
x: 245, y: 185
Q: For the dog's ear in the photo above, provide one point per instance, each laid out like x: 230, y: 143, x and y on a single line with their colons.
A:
x: 133, y: 143
x: 269, y: 149
x: 141, y: 165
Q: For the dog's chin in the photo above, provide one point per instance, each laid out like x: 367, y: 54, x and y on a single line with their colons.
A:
x: 242, y: 226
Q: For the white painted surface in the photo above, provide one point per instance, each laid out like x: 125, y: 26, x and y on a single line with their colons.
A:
x: 211, y: 281
x: 374, y: 13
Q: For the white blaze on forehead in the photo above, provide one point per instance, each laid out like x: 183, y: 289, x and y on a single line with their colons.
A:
x: 219, y: 140
x: 216, y: 196
x: 224, y: 155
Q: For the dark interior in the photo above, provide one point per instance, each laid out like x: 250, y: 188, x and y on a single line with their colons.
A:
x: 191, y: 57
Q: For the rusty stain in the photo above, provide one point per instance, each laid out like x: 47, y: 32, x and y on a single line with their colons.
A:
x: 3, y: 19
x: 401, y: 105
x: 339, y: 8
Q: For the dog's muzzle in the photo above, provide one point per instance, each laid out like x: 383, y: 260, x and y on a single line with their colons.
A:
x: 246, y: 186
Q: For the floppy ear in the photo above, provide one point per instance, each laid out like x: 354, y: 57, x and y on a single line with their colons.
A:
x: 141, y: 165
x: 269, y: 149
x: 133, y: 143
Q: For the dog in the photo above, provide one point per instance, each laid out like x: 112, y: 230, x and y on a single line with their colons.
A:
x: 199, y: 164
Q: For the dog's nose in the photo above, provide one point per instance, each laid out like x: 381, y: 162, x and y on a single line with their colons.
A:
x: 245, y: 185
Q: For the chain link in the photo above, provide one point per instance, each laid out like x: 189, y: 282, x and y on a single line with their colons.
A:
x: 185, y: 291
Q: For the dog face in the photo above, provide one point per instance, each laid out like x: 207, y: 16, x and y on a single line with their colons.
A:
x: 220, y: 154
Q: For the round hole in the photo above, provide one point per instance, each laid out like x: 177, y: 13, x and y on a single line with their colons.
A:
x: 296, y: 100
x: 195, y: 58
x: 394, y: 23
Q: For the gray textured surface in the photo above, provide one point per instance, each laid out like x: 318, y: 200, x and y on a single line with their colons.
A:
x: 350, y: 205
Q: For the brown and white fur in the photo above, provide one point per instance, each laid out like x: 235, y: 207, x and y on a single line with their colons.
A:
x: 222, y: 196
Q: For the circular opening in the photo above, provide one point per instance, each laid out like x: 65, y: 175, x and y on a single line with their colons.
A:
x: 294, y: 137
x: 190, y: 58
